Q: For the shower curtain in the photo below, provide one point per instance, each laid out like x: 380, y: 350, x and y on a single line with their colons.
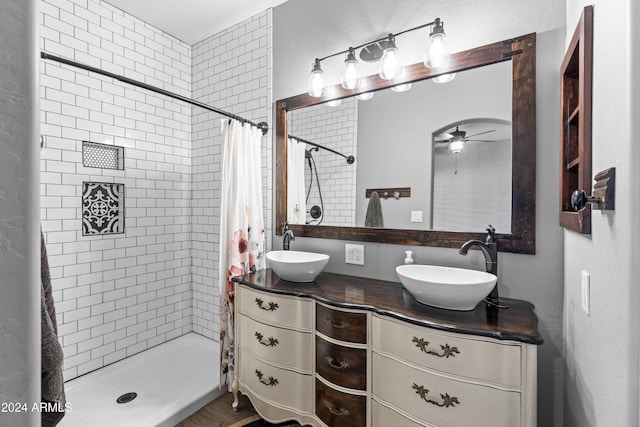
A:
x: 242, y: 240
x: 296, y: 192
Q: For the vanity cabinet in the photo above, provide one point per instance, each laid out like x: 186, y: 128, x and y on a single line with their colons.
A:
x: 430, y: 377
x: 348, y: 351
x: 274, y: 352
x: 341, y: 366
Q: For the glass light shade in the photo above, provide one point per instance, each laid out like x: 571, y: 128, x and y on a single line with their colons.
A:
x: 437, y: 55
x: 390, y: 67
x: 351, y: 72
x: 444, y: 78
x: 334, y: 102
x: 401, y: 88
x: 365, y: 96
x: 456, y: 146
x: 316, y: 81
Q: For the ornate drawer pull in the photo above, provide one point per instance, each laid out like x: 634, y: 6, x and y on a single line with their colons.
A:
x: 273, y: 306
x: 342, y: 412
x: 271, y: 381
x: 331, y: 362
x: 447, y: 350
x: 329, y: 321
x: 271, y: 342
x: 446, y: 399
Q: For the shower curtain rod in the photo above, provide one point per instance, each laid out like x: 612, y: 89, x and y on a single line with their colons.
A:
x: 263, y: 126
x: 350, y: 159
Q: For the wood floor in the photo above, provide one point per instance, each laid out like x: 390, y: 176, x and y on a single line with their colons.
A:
x: 219, y: 413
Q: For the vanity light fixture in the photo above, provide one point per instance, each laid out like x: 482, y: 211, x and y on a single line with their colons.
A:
x: 365, y: 96
x: 390, y: 66
x: 351, y: 73
x: 401, y: 88
x: 334, y: 102
x: 316, y: 80
x: 444, y: 78
x: 386, y: 52
x: 437, y: 55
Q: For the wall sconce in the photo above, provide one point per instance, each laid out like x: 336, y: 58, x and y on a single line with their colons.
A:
x: 385, y: 51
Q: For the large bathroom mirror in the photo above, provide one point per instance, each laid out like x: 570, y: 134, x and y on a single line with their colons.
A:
x: 427, y: 191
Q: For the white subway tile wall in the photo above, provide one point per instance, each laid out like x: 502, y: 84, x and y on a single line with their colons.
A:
x: 231, y: 70
x: 335, y: 128
x: 121, y: 294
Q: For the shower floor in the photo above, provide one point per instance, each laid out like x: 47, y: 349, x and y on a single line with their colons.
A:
x: 172, y: 380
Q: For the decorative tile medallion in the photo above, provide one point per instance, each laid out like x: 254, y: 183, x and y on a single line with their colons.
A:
x: 102, y: 208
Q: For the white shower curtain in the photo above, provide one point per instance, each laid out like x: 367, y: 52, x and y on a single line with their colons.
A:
x: 242, y: 238
x: 296, y: 192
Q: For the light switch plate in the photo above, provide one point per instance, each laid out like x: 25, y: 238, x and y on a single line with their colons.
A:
x: 416, y: 216
x: 353, y: 254
x: 586, y: 292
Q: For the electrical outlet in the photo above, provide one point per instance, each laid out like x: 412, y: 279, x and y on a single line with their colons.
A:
x: 416, y: 216
x: 586, y: 292
x: 353, y: 254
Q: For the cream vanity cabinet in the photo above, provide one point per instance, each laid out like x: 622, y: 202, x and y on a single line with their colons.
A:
x: 347, y: 351
x: 423, y: 376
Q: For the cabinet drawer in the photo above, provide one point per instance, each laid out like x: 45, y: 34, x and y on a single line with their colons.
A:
x: 381, y: 416
x: 278, y: 385
x: 441, y: 400
x: 337, y: 409
x: 274, y: 309
x: 468, y: 357
x: 341, y: 325
x: 343, y: 366
x: 284, y: 347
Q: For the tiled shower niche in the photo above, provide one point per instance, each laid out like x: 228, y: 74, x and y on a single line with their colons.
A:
x: 104, y: 156
x: 102, y: 208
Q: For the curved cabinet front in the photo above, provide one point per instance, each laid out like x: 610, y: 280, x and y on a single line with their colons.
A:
x: 339, y: 365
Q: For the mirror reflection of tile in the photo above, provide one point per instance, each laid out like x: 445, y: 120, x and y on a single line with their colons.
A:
x: 102, y: 208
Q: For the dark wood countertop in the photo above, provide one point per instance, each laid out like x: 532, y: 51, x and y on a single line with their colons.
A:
x: 518, y: 323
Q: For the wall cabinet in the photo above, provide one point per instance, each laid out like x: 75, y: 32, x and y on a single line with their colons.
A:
x: 575, y: 120
x: 300, y: 357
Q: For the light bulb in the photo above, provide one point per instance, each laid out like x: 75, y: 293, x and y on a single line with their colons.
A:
x: 351, y: 73
x: 390, y: 67
x: 401, y: 88
x: 456, y: 146
x: 444, y: 78
x: 365, y: 96
x: 334, y: 102
x: 316, y: 80
x: 437, y: 55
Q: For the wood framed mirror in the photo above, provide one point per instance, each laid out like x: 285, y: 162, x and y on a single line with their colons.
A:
x: 521, y: 51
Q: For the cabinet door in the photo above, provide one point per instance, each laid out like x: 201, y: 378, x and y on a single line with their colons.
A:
x: 460, y: 355
x: 337, y: 409
x: 441, y: 400
x: 281, y: 386
x: 274, y: 309
x: 341, y: 325
x: 343, y: 366
x: 283, y: 347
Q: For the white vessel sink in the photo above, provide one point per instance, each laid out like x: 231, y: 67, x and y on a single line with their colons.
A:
x: 297, y: 266
x: 446, y: 287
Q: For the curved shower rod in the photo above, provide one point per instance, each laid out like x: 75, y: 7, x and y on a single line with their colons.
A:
x: 263, y: 126
x: 350, y: 159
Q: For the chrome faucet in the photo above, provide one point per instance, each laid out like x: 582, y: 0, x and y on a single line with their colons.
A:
x: 288, y: 236
x: 489, y: 249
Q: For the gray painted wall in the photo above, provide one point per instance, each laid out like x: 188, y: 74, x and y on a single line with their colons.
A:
x: 304, y: 29
x: 19, y: 202
x: 601, y: 349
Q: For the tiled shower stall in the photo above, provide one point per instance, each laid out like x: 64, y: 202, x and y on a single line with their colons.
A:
x: 157, y: 279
